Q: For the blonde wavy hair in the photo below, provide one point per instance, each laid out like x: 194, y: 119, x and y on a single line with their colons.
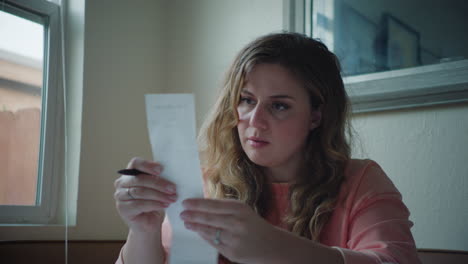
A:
x: 230, y: 173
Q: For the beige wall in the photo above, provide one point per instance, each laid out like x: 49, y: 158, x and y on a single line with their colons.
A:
x: 203, y: 37
x: 123, y: 60
x: 158, y: 47
x: 424, y: 151
x: 185, y: 46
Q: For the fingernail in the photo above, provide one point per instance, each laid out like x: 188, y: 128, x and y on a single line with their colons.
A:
x: 157, y: 169
x: 171, y: 189
x: 165, y: 205
x: 172, y: 198
x: 183, y: 216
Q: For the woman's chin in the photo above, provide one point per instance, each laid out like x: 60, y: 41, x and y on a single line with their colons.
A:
x: 261, y: 161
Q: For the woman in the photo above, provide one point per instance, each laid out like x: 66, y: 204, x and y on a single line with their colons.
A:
x: 283, y: 187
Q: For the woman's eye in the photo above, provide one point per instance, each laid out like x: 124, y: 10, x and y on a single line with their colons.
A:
x: 246, y: 100
x: 280, y: 106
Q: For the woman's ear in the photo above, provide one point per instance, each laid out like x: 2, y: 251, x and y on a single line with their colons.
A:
x: 315, y: 118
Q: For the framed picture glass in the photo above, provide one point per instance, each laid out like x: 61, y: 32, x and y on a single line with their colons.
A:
x: 392, y: 56
x: 397, y: 44
x: 354, y: 43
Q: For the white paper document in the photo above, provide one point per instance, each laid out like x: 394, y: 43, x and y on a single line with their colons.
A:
x: 171, y: 125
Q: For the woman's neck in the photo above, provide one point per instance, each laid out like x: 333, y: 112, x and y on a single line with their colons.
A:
x: 283, y: 174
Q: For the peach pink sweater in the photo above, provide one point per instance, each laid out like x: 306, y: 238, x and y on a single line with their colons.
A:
x: 369, y: 225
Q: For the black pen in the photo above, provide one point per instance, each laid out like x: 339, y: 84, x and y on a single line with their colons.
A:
x: 132, y: 172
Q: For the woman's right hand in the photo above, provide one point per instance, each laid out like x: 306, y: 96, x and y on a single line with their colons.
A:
x: 141, y: 200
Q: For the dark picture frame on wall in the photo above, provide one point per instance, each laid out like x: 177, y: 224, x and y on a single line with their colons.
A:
x: 434, y: 83
x: 397, y: 45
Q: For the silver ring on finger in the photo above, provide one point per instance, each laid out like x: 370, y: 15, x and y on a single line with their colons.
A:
x: 129, y: 193
x: 216, y: 239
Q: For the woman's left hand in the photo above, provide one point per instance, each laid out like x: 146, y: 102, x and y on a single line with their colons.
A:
x: 232, y: 227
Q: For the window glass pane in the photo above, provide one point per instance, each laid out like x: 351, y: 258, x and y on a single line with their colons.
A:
x: 21, y: 76
x: 381, y: 35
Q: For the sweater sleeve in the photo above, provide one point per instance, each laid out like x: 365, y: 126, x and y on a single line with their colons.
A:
x: 378, y: 223
x: 166, y: 239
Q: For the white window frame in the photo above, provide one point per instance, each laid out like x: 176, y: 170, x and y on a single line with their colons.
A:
x: 445, y: 83
x: 51, y: 150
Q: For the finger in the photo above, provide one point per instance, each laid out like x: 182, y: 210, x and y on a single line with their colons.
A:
x: 209, y: 219
x: 216, y: 206
x: 209, y: 234
x: 150, y: 167
x: 143, y: 193
x: 137, y: 207
x: 147, y: 181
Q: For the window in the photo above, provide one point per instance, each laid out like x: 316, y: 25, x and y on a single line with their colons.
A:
x: 394, y: 54
x: 31, y: 111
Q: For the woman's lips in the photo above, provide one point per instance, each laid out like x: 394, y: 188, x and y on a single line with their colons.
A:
x: 256, y: 142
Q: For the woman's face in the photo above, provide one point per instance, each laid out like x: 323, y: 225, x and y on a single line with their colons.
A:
x: 275, y: 117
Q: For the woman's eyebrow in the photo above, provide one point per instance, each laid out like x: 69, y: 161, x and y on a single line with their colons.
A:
x: 282, y: 96
x: 277, y: 96
x: 244, y: 91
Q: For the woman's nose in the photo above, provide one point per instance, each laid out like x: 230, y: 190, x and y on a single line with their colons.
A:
x: 258, y: 117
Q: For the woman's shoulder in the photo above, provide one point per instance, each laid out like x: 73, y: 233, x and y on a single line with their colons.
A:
x: 358, y: 166
x: 365, y: 177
